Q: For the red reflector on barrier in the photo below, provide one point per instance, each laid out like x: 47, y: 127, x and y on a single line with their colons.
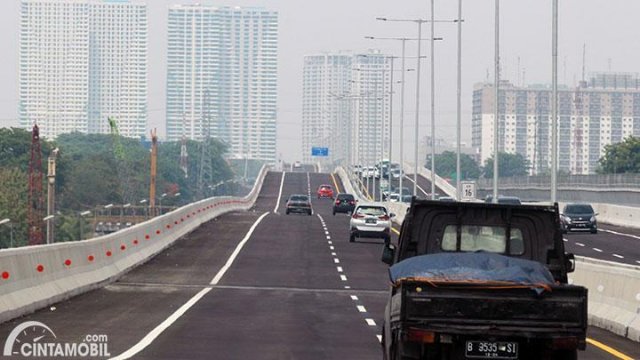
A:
x: 5, y: 275
x: 40, y: 268
x: 135, y: 242
x: 147, y: 237
x: 67, y: 262
x: 123, y: 247
x: 90, y: 258
x: 108, y: 253
x: 176, y: 222
x: 168, y: 226
x: 157, y: 232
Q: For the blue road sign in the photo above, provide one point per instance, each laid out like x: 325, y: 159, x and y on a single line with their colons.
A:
x: 319, y: 151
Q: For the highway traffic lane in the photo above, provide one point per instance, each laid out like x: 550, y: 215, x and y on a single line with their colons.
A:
x: 604, y: 246
x: 268, y: 198
x: 143, y: 298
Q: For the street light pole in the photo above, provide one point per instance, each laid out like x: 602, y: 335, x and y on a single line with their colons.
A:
x: 433, y: 106
x: 459, y: 100
x: 496, y: 104
x: 390, y: 134
x: 417, y: 122
x: 51, y: 193
x: 554, y: 103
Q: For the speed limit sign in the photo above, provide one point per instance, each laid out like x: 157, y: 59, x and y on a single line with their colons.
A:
x: 468, y: 190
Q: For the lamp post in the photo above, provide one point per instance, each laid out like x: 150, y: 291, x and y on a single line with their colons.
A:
x: 51, y: 192
x: 496, y: 104
x: 122, y: 212
x: 554, y: 101
x: 48, y: 219
x: 81, y: 221
x: 8, y: 221
x: 459, y: 99
x: 145, y: 209
x: 160, y: 202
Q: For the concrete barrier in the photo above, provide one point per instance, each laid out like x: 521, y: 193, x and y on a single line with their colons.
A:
x: 34, y: 277
x: 614, y: 288
x: 614, y: 295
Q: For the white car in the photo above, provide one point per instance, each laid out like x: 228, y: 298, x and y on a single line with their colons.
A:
x: 297, y: 164
x: 370, y: 221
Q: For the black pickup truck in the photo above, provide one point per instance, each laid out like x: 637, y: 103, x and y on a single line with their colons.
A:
x: 482, y: 281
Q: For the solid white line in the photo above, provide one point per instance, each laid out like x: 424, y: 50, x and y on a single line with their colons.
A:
x: 354, y: 298
x: 596, y: 249
x: 361, y: 308
x: 153, y: 334
x: 336, y: 260
x: 235, y: 253
x: 621, y: 234
x: 148, y: 339
x: 370, y: 322
x: 618, y: 256
x: 275, y: 209
x: 379, y: 338
x: 579, y: 244
x: 343, y: 277
x: 418, y: 186
x: 339, y: 268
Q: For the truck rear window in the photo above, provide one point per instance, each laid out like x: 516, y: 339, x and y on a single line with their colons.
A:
x: 482, y: 238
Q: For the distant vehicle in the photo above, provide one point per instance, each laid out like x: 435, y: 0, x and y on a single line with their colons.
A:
x: 369, y: 172
x: 446, y: 198
x: 357, y: 169
x: 297, y: 164
x: 371, y: 221
x: 394, y: 197
x: 579, y: 217
x: 345, y: 203
x: 299, y: 204
x: 396, y: 173
x: 407, y: 198
x: 325, y: 191
x: 511, y: 200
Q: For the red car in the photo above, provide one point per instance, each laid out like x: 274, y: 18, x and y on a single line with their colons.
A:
x: 325, y: 191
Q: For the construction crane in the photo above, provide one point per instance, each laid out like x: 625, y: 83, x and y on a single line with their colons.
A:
x: 121, y: 162
x: 35, y: 197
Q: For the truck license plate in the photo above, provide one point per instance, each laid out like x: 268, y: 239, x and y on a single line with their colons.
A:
x: 491, y: 350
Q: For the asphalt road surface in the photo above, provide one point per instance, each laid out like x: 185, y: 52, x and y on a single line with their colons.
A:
x: 252, y: 285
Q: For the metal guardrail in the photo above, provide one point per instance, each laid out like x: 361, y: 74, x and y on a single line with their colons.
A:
x: 609, y: 181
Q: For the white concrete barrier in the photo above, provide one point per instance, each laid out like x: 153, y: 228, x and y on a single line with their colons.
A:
x: 614, y: 288
x: 614, y: 295
x: 34, y: 277
x: 441, y: 183
x: 626, y: 216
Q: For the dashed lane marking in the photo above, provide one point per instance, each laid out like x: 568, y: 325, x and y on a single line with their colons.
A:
x: 343, y: 277
x: 361, y: 308
x: 370, y: 322
x: 354, y: 298
x: 339, y: 268
x: 336, y: 260
x: 331, y: 247
x: 379, y: 338
x: 596, y: 249
x: 618, y: 256
x: 579, y: 244
x: 621, y: 234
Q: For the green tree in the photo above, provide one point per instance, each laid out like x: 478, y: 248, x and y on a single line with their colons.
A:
x: 623, y: 157
x: 13, y: 205
x: 446, y: 165
x: 508, y: 165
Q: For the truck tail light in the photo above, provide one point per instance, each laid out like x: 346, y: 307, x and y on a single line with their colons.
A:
x: 421, y: 336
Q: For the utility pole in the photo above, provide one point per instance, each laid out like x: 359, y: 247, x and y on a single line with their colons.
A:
x: 459, y: 101
x: 154, y: 170
x: 496, y: 103
x: 554, y: 103
x: 433, y: 105
x: 51, y: 194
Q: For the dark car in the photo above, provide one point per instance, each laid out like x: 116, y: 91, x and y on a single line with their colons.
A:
x: 510, y: 200
x: 579, y: 217
x: 345, y: 203
x: 299, y: 204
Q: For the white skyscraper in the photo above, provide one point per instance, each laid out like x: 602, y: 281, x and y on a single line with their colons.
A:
x: 82, y: 61
x: 346, y: 107
x: 222, y: 76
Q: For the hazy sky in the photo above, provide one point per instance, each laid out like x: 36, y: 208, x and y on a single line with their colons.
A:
x: 608, y: 27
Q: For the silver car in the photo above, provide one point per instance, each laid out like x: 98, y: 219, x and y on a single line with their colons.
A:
x: 371, y: 221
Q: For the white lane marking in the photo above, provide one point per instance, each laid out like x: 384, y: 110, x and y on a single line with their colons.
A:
x: 347, y: 287
x: 370, y: 322
x: 361, y: 308
x: 418, y: 186
x: 618, y: 256
x: 339, y: 268
x: 565, y: 240
x: 148, y: 339
x: 275, y: 209
x: 334, y: 254
x: 331, y: 247
x: 329, y: 242
x: 379, y: 338
x: 308, y: 186
x: 328, y: 237
x: 354, y: 298
x: 579, y: 244
x: 343, y: 277
x: 153, y: 334
x: 621, y: 234
x: 638, y: 261
x: 326, y: 233
x: 235, y: 253
x: 336, y: 260
x: 596, y: 249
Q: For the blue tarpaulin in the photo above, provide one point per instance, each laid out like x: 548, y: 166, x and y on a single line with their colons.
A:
x: 475, y: 267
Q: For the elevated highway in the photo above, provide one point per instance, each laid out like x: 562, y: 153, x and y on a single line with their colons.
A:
x: 253, y: 284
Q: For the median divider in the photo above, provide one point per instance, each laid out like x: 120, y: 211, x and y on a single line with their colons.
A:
x: 614, y: 288
x: 33, y: 277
